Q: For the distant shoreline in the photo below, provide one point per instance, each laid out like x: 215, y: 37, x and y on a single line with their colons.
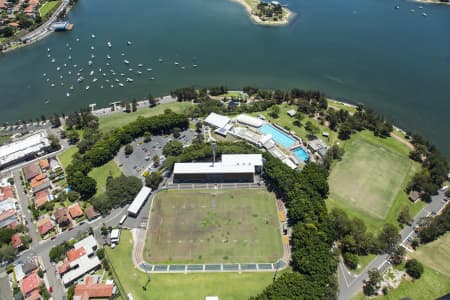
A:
x: 431, y: 2
x: 285, y: 21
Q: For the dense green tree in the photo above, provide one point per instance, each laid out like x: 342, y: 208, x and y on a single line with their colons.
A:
x: 350, y: 260
x: 173, y: 148
x: 153, y: 180
x: 84, y: 185
x: 123, y: 189
x: 176, y: 132
x: 404, y: 217
x: 72, y: 136
x: 388, y: 238
x: 128, y: 149
x: 397, y: 255
x: 414, y: 268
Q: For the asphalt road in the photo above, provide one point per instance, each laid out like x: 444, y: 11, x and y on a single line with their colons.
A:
x: 350, y: 284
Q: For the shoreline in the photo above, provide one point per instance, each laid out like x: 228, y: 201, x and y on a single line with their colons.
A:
x: 431, y: 2
x: 41, y: 32
x: 255, y: 19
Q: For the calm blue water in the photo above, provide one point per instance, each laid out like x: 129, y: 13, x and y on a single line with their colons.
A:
x: 278, y: 136
x: 395, y: 61
x: 301, y: 154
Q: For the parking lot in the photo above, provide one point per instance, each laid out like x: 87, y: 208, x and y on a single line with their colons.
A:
x: 142, y: 157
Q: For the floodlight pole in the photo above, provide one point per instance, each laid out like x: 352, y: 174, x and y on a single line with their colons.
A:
x: 214, y: 146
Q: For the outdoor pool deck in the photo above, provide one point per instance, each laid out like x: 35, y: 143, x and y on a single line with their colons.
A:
x: 301, y: 154
x: 279, y: 136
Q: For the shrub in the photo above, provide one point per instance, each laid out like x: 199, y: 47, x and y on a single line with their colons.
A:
x: 414, y: 268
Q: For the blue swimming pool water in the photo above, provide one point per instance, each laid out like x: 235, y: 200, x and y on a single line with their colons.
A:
x: 301, y: 154
x: 279, y: 136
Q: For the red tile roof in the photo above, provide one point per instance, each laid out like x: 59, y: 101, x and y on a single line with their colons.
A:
x: 63, y: 268
x: 38, y: 180
x: 30, y: 283
x: 45, y: 227
x: 90, y: 213
x: 34, y: 296
x: 75, y: 210
x: 93, y: 290
x: 43, y: 163
x: 16, y: 241
x: 41, y: 198
x: 32, y: 170
x: 5, y: 192
x: 75, y: 253
x: 2, y: 4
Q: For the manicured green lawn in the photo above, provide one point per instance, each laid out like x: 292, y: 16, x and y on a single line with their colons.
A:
x: 338, y: 105
x: 100, y: 175
x: 436, y: 254
x: 47, y: 7
x: 4, y: 138
x: 66, y: 157
x: 363, y: 261
x: 369, y: 180
x: 214, y: 227
x: 119, y: 119
x: 228, y: 286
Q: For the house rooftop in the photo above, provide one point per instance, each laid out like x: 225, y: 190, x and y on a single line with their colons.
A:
x: 90, y: 213
x: 90, y: 288
x: 45, y: 226
x: 16, y: 241
x: 31, y: 171
x: 30, y: 283
x: 75, y: 210
x: 74, y: 254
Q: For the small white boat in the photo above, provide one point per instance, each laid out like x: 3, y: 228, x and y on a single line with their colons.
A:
x: 140, y: 65
x: 87, y: 87
x: 46, y: 101
x: 130, y: 69
x: 107, y: 64
x: 183, y: 67
x: 45, y: 74
x: 122, y: 74
x: 107, y: 80
x: 80, y: 79
x: 70, y: 57
x: 412, y: 10
x: 129, y: 79
x: 109, y: 44
x: 61, y: 77
x: 48, y: 79
x: 70, y: 48
x: 149, y: 69
x: 152, y: 78
x: 91, y: 73
x: 48, y: 55
x: 67, y: 94
x: 176, y: 63
x: 58, y: 68
x: 80, y: 70
x: 139, y: 72
x: 420, y: 7
x: 77, y: 40
x: 101, y: 86
x: 65, y: 65
x: 123, y: 54
x: 424, y: 14
x: 62, y: 83
x: 53, y: 60
x: 89, y: 62
x: 121, y: 84
x: 92, y: 56
x: 48, y: 49
x: 53, y: 85
x: 126, y: 61
x: 104, y: 74
x: 128, y: 43
x: 71, y: 88
x: 112, y: 85
x: 93, y: 36
x: 92, y: 48
x: 117, y: 80
x: 195, y: 66
x: 108, y: 56
x: 67, y: 44
x: 94, y: 80
x: 160, y: 59
x: 75, y: 66
x: 69, y: 72
x: 78, y: 74
x: 99, y: 69
x: 113, y: 73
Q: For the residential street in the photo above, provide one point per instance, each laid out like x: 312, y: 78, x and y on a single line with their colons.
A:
x: 350, y: 284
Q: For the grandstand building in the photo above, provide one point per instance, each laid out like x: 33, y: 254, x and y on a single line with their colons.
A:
x: 233, y: 168
x: 23, y: 149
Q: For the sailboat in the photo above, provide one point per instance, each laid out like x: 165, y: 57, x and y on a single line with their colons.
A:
x: 109, y: 44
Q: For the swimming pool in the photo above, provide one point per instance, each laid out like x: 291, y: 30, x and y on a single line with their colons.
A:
x: 279, y: 136
x: 301, y: 154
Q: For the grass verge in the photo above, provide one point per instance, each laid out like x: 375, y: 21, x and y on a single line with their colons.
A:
x: 100, y: 175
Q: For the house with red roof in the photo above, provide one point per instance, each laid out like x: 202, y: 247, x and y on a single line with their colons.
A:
x: 91, y: 288
x: 30, y: 284
x: 75, y: 210
x: 44, y: 226
x: 43, y: 163
x: 31, y: 171
x: 41, y: 198
x: 74, y: 254
x: 7, y: 217
x: 16, y: 241
x: 6, y: 193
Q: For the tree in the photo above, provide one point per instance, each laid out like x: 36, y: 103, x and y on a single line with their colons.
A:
x: 122, y: 190
x: 147, y: 137
x: 373, y: 282
x: 404, y: 217
x: 73, y: 137
x: 153, y: 180
x: 6, y: 31
x: 134, y: 105
x: 388, y: 238
x: 73, y: 196
x: 128, y: 149
x: 414, y: 268
x: 397, y: 255
x: 7, y: 252
x: 345, y: 131
x: 176, y: 132
x: 57, y: 253
x: 350, y: 260
x: 84, y: 185
x: 275, y: 112
x: 151, y: 100
x: 156, y: 160
x: 173, y: 148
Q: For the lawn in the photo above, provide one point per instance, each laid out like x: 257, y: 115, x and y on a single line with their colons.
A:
x: 228, y: 286
x: 47, y: 7
x: 213, y: 227
x: 100, y: 175
x: 116, y: 120
x: 286, y: 121
x: 363, y: 262
x: 369, y: 180
x: 436, y: 254
x: 4, y: 138
x: 66, y: 157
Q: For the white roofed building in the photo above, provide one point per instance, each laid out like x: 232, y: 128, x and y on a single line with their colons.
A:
x: 23, y: 148
x: 139, y: 201
x: 217, y: 120
x: 232, y: 168
x: 249, y: 120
